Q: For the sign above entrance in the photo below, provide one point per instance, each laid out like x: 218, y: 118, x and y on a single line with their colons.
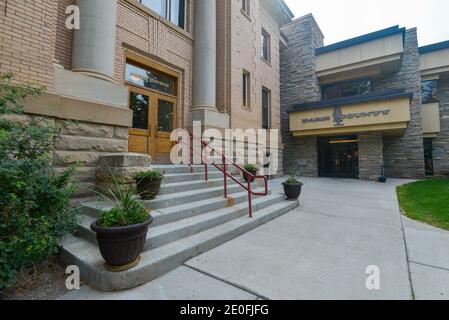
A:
x: 388, y: 115
x: 150, y: 79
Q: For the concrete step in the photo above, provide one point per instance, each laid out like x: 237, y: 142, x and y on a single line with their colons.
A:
x: 164, y: 234
x: 175, y: 199
x: 172, y: 169
x: 181, y: 177
x: 157, y: 262
x: 177, y: 187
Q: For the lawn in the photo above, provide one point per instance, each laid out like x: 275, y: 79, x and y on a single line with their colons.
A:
x: 426, y: 201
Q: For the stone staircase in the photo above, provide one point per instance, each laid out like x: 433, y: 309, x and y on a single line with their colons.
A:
x: 191, y: 216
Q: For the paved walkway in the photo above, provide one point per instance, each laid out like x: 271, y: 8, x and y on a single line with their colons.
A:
x: 321, y: 250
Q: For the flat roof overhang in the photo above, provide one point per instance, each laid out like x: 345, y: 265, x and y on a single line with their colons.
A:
x: 373, y: 54
x: 386, y: 112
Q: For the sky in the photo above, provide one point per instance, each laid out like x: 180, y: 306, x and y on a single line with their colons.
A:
x: 343, y: 19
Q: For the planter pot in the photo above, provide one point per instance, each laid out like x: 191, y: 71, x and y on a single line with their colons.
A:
x: 382, y: 179
x: 121, y: 247
x: 245, y: 177
x: 292, y: 191
x: 148, y: 189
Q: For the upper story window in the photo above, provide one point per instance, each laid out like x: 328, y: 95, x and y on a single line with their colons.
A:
x: 346, y: 89
x: 246, y: 89
x: 265, y: 46
x: 266, y: 106
x: 429, y: 91
x: 173, y: 10
x: 246, y: 6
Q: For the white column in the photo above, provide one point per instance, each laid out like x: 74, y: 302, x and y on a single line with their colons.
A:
x: 94, y: 43
x: 205, y: 54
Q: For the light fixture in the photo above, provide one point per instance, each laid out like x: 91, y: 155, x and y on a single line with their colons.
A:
x: 342, y: 141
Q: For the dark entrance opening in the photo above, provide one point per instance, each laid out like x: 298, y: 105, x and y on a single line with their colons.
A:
x: 338, y: 157
x: 428, y: 156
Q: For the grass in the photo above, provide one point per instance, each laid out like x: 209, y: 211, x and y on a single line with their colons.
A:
x: 426, y: 201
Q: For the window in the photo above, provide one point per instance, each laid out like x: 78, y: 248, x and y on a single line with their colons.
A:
x: 150, y: 79
x: 246, y: 89
x: 246, y: 6
x: 428, y: 156
x: 429, y: 91
x: 346, y: 89
x: 266, y: 104
x: 173, y: 10
x: 265, y: 46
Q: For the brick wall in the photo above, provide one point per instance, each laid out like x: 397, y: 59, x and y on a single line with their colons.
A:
x: 28, y: 40
x: 64, y: 38
x: 299, y: 84
x: 441, y: 142
x: 161, y: 43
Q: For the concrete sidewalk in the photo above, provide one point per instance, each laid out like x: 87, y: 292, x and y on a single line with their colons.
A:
x: 321, y: 250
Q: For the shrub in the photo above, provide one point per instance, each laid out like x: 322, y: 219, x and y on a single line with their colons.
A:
x: 35, y: 210
x: 251, y: 168
x: 150, y: 175
x: 126, y: 210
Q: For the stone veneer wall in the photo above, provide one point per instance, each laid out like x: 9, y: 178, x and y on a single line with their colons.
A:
x: 441, y: 142
x: 370, y: 156
x: 299, y: 84
x: 404, y: 155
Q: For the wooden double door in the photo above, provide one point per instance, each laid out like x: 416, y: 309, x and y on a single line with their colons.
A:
x: 154, y: 119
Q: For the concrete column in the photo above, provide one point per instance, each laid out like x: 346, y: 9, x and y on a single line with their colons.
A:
x: 205, y: 68
x: 205, y: 54
x: 94, y: 43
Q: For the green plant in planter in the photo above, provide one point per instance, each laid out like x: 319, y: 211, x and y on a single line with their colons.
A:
x: 148, y: 183
x: 127, y: 208
x: 251, y: 168
x: 292, y: 186
x: 122, y: 230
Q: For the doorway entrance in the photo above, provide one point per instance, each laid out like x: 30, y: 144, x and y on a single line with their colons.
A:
x: 338, y: 157
x: 153, y: 102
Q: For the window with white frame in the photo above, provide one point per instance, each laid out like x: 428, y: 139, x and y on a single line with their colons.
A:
x: 246, y: 6
x: 173, y: 10
x: 266, y: 106
x: 265, y: 53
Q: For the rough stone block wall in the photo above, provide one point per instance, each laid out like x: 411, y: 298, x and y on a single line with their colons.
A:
x: 82, y: 143
x: 370, y: 156
x: 404, y: 155
x: 441, y: 142
x: 299, y: 84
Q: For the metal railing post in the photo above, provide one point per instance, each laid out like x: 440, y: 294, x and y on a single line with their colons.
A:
x: 225, y: 176
x: 250, y: 208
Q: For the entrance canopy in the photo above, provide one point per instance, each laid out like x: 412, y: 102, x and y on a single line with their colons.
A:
x: 387, y: 112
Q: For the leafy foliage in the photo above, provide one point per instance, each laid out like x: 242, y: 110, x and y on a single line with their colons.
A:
x: 127, y: 208
x: 292, y: 180
x: 251, y: 168
x: 150, y: 175
x: 34, y: 201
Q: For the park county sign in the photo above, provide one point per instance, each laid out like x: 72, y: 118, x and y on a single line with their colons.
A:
x: 389, y: 115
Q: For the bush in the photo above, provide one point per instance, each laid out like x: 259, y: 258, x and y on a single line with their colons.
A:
x: 251, y: 169
x: 35, y: 210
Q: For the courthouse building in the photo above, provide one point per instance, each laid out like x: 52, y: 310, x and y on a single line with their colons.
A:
x: 138, y: 69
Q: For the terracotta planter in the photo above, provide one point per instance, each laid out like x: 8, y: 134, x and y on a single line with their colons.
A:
x: 121, y: 247
x: 148, y: 189
x: 292, y: 191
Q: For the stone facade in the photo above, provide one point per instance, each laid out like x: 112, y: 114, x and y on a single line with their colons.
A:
x: 299, y: 84
x: 371, y: 157
x: 404, y: 155
x: 441, y: 142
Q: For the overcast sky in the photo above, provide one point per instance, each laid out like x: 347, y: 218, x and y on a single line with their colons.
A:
x: 343, y: 19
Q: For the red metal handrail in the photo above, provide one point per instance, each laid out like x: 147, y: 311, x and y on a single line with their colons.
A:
x: 226, y: 161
